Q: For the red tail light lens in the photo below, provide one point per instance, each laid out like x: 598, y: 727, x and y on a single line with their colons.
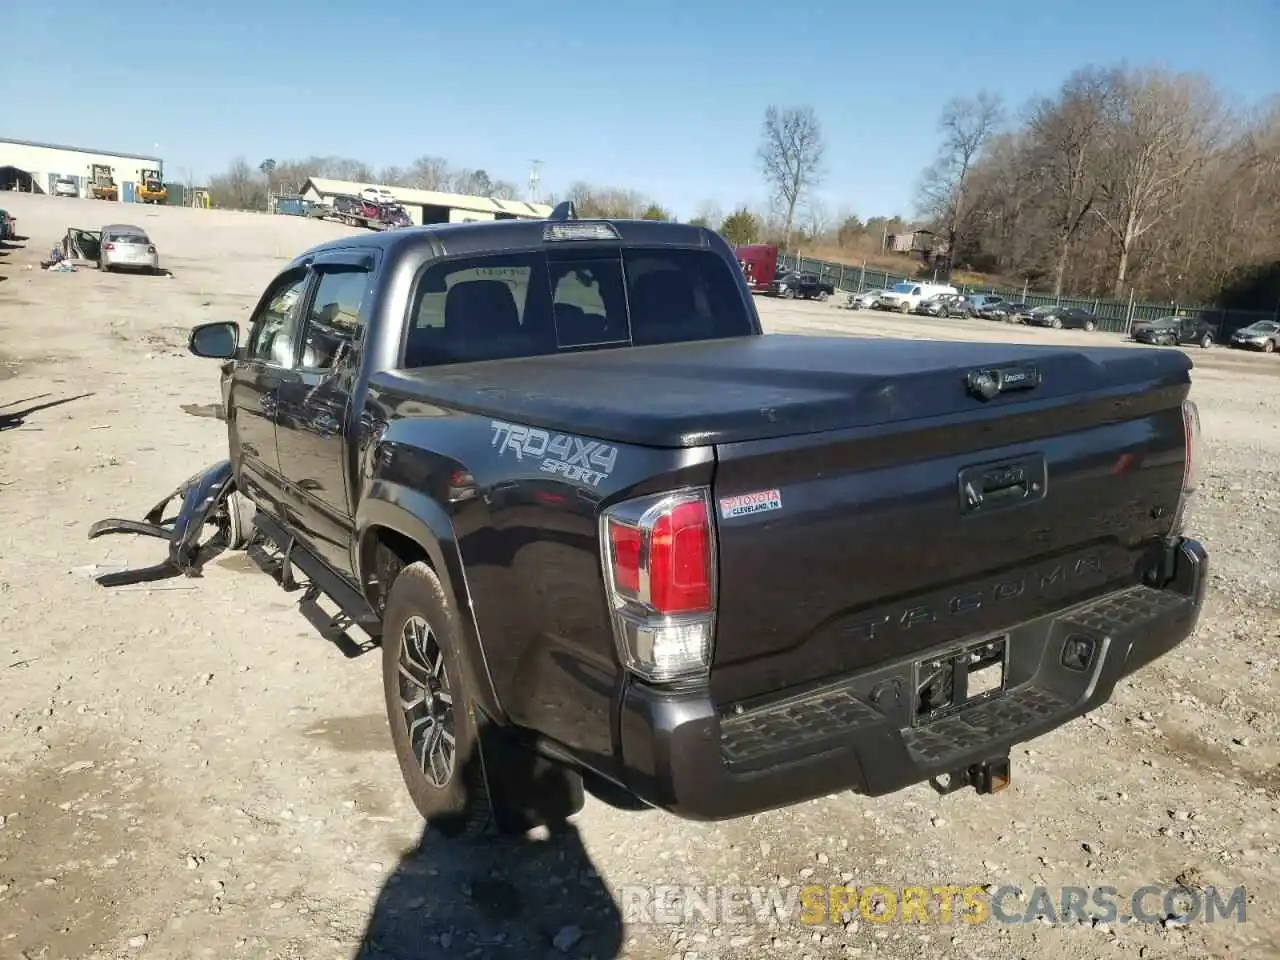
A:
x: 659, y: 565
x: 680, y: 560
x: 626, y: 543
x: 108, y: 246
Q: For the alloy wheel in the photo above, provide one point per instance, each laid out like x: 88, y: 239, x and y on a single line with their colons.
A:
x: 426, y: 702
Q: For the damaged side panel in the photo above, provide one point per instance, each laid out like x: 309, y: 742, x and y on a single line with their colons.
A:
x: 204, y: 500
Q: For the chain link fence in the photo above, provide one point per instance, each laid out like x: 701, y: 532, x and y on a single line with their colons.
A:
x: 1116, y: 316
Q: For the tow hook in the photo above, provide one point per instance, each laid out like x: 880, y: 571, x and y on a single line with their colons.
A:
x: 989, y: 776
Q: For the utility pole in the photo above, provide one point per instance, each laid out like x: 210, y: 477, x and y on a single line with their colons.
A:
x: 534, y: 178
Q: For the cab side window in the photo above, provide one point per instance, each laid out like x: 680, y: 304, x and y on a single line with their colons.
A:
x: 337, y: 317
x: 274, y: 329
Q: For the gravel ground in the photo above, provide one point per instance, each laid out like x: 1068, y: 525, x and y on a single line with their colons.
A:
x: 193, y: 770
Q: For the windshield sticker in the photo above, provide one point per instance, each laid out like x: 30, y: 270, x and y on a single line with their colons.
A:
x: 562, y: 454
x: 748, y: 503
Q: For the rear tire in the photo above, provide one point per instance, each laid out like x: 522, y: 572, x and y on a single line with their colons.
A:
x: 822, y: 296
x: 1207, y: 341
x: 487, y: 782
x: 430, y: 709
x: 1089, y: 326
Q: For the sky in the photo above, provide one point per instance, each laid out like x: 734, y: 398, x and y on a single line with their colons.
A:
x: 665, y: 97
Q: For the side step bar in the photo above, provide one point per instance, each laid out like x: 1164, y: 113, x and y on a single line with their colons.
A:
x: 325, y: 580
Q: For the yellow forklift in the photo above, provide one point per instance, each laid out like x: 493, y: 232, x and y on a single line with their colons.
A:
x: 152, y: 188
x: 102, y: 183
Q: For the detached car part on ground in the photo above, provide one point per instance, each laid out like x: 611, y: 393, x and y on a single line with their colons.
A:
x: 705, y: 569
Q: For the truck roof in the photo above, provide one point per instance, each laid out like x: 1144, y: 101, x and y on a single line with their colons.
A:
x: 502, y: 236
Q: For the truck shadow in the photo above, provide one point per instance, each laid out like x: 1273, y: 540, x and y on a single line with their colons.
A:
x: 519, y: 896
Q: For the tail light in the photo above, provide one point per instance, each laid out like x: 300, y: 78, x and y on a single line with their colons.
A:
x: 1191, y: 463
x: 659, y: 563
x: 108, y: 246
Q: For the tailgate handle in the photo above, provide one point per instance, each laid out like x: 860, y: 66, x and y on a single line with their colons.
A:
x: 992, y: 486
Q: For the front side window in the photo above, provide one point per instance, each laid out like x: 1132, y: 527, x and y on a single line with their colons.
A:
x: 336, y: 318
x: 274, y: 328
x: 534, y: 304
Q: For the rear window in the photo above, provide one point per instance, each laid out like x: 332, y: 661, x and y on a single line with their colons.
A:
x: 534, y: 304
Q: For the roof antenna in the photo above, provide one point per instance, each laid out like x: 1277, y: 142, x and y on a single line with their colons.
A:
x: 565, y: 210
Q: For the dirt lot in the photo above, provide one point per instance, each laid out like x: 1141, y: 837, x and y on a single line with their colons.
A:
x: 192, y: 770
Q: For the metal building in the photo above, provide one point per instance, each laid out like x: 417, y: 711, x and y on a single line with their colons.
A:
x: 429, y: 206
x: 34, y: 167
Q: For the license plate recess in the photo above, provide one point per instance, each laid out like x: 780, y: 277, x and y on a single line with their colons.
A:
x: 954, y: 680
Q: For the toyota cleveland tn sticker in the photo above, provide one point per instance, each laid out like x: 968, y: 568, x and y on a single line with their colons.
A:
x: 747, y: 503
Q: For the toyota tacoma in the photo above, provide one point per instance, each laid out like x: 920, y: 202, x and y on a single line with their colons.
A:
x: 610, y: 532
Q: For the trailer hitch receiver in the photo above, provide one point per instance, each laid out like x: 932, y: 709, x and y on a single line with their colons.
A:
x: 989, y: 776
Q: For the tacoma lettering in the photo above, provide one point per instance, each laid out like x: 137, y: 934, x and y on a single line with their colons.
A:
x: 1066, y: 573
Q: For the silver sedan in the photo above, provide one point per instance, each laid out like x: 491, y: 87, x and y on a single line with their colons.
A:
x: 126, y: 247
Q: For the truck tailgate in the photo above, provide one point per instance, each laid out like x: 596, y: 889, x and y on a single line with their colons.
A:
x: 850, y: 547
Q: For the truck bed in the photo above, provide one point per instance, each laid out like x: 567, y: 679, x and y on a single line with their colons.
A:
x: 756, y: 388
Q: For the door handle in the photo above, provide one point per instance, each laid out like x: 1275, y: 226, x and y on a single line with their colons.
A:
x: 994, y: 486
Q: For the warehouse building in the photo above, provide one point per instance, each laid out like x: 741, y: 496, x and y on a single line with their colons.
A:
x: 33, y: 167
x: 430, y: 206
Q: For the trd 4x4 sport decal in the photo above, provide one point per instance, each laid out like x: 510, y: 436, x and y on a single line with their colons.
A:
x: 562, y: 454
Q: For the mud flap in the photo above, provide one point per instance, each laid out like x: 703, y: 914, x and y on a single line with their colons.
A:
x: 203, y: 501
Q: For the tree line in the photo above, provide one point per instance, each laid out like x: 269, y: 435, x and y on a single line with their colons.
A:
x: 1123, y: 182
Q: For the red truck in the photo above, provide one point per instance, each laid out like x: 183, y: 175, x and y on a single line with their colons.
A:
x: 759, y: 261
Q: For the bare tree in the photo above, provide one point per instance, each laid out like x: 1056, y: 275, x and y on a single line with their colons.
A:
x: 430, y: 173
x: 966, y: 126
x: 1161, y: 134
x: 791, y: 157
x: 816, y: 221
x: 1066, y: 132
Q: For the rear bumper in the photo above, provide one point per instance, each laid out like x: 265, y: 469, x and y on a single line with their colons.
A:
x: 857, y: 734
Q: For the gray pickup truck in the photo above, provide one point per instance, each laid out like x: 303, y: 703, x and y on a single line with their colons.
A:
x: 609, y: 532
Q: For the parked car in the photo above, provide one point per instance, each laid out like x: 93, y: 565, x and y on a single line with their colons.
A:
x: 1263, y: 335
x: 378, y: 196
x: 698, y: 602
x: 1062, y: 318
x: 8, y: 226
x: 865, y: 299
x: 65, y: 187
x: 985, y: 301
x: 946, y: 305
x: 1171, y: 331
x: 906, y: 296
x: 806, y: 286
x: 1004, y: 311
x: 126, y: 247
